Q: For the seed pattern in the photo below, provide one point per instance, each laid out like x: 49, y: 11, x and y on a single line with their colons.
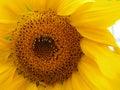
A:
x: 46, y: 48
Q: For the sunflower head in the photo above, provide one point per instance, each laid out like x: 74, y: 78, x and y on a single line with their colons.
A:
x: 46, y: 48
x: 58, y: 45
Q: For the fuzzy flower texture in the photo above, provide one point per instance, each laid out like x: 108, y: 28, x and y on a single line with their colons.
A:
x: 59, y: 45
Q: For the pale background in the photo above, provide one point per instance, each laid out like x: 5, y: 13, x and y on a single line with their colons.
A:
x: 115, y: 30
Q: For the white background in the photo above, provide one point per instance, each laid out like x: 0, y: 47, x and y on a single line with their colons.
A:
x: 115, y: 30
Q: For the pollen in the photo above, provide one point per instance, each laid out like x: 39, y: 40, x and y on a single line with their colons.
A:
x: 45, y: 47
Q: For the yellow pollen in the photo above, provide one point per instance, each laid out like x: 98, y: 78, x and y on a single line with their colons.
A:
x: 46, y: 48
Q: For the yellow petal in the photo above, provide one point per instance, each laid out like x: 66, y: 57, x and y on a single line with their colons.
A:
x: 56, y: 87
x: 6, y: 67
x: 115, y: 83
x: 41, y: 88
x: 5, y: 32
x: 18, y: 84
x: 11, y: 9
x: 36, y: 5
x: 67, y: 7
x: 107, y: 60
x: 78, y: 83
x: 4, y: 49
x: 32, y: 86
x: 4, y: 44
x: 53, y: 4
x: 97, y: 34
x: 101, y: 14
x: 67, y: 85
x: 4, y: 55
x: 89, y: 69
x: 6, y: 13
x: 117, y: 50
x: 6, y: 72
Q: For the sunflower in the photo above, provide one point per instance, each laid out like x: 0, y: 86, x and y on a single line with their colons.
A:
x: 58, y: 45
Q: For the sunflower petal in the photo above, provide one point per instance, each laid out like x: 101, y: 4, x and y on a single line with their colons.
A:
x: 7, y: 78
x: 89, y: 69
x: 89, y: 29
x: 4, y: 16
x: 4, y: 54
x: 67, y: 85
x: 5, y: 29
x: 97, y: 34
x: 117, y: 50
x: 36, y: 5
x: 107, y: 60
x: 19, y: 84
x: 13, y: 7
x: 101, y: 13
x: 53, y: 4
x: 56, y: 87
x: 6, y: 72
x: 77, y: 83
x: 67, y: 7
x: 31, y: 86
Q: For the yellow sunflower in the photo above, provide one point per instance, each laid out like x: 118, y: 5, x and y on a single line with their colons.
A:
x: 58, y: 45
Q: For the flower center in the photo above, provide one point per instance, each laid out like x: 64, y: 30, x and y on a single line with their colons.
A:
x: 46, y: 48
